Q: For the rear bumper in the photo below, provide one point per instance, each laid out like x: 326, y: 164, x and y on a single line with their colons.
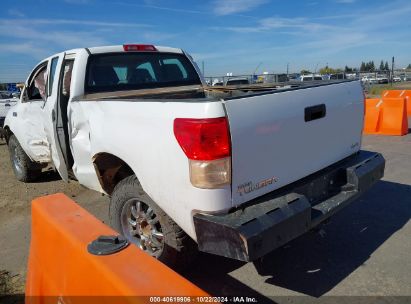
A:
x: 269, y: 222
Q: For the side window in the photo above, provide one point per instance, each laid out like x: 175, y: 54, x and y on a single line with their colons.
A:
x: 37, y: 85
x: 52, y: 74
x: 68, y: 69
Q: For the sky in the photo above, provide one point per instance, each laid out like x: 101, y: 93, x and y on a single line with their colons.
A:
x: 228, y: 36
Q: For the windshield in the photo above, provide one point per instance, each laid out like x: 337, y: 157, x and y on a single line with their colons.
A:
x: 133, y: 71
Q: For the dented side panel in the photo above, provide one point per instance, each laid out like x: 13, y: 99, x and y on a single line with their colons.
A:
x: 141, y: 134
x: 80, y: 144
x: 25, y: 120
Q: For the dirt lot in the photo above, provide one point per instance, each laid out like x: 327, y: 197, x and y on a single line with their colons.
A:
x: 15, y: 198
x: 364, y: 250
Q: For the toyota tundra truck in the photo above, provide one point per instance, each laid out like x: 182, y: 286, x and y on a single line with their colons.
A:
x: 187, y: 166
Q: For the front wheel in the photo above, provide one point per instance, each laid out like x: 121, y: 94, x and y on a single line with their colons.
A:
x: 24, y: 169
x: 137, y: 217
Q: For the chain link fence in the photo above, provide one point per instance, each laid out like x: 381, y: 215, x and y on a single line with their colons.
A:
x: 367, y: 78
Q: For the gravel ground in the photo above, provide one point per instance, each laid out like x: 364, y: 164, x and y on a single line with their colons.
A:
x: 363, y: 251
x: 15, y: 198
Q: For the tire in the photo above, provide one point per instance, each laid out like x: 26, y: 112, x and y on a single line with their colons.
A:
x: 128, y: 203
x: 24, y: 169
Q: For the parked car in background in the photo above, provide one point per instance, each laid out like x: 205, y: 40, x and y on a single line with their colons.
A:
x: 369, y: 80
x: 6, y: 103
x: 311, y: 77
x: 351, y: 76
x: 237, y: 81
x: 396, y: 79
x: 218, y: 83
x: 382, y: 79
x: 337, y: 76
x: 5, y: 95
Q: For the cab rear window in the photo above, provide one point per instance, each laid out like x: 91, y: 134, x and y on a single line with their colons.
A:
x: 133, y: 71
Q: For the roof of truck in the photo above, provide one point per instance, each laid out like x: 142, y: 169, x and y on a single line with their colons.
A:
x: 120, y: 48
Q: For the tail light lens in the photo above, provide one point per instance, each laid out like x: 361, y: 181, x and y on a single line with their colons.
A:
x: 206, y: 143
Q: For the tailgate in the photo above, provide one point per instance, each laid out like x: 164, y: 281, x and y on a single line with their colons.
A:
x: 278, y: 138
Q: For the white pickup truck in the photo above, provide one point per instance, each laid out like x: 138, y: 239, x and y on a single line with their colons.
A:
x: 239, y: 173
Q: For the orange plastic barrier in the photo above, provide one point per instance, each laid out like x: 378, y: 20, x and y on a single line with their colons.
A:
x: 60, y: 265
x: 408, y: 99
x: 399, y: 93
x: 386, y: 116
x: 391, y: 93
x: 372, y: 115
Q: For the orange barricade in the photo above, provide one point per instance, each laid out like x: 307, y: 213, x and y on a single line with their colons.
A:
x: 391, y: 93
x: 399, y: 93
x: 408, y: 99
x: 386, y: 116
x: 372, y: 115
x: 60, y: 265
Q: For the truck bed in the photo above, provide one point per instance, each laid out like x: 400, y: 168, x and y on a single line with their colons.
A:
x: 208, y: 93
x: 278, y: 135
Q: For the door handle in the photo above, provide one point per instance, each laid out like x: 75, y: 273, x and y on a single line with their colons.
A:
x: 53, y: 115
x: 315, y: 112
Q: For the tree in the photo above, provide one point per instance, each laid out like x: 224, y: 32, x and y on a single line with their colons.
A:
x: 409, y: 67
x: 371, y: 66
x: 305, y: 72
x: 382, y: 68
x: 349, y: 70
x: 386, y: 67
x: 327, y: 70
x: 363, y: 67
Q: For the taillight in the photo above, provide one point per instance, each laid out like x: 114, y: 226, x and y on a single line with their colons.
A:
x: 203, y: 139
x: 206, y: 143
x: 139, y: 48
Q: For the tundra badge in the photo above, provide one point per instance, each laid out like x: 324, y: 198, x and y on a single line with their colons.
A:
x: 250, y: 187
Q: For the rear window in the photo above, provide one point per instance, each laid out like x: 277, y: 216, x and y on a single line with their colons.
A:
x: 133, y: 71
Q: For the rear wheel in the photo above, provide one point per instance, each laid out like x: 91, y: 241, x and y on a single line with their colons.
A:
x: 24, y: 169
x: 137, y: 217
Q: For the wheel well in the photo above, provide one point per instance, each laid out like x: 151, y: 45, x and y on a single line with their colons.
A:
x: 110, y: 170
x: 7, y: 133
